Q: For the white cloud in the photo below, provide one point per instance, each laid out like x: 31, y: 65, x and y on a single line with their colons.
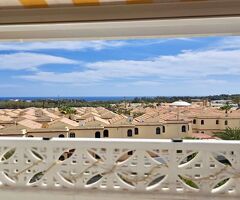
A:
x: 30, y: 61
x: 86, y: 77
x: 147, y: 83
x: 141, y: 83
x: 208, y: 82
x: 61, y: 45
x: 6, y: 86
x: 226, y: 43
x: 186, y: 65
x: 183, y: 65
x: 82, y: 45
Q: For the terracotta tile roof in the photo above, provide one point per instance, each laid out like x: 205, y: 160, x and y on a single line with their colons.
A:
x: 2, y: 112
x: 184, y: 113
x: 96, y: 119
x: 51, y: 115
x: 119, y: 119
x: 108, y: 115
x: 69, y: 122
x: 5, y: 118
x: 90, y: 114
x: 30, y: 124
x: 31, y: 117
x: 202, y: 136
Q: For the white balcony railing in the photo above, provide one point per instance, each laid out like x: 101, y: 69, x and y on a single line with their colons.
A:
x: 146, y: 166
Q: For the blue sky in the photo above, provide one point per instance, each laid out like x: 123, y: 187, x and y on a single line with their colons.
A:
x: 149, y: 67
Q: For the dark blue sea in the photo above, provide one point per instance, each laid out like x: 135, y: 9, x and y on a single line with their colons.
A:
x: 118, y: 98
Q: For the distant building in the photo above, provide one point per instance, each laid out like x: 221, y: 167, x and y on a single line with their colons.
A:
x: 220, y: 103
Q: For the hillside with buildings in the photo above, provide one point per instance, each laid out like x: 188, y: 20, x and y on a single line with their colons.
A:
x: 163, y: 121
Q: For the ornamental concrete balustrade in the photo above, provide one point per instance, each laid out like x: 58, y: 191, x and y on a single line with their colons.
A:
x: 159, y: 167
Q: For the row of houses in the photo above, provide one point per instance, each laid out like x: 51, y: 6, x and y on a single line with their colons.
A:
x: 161, y: 122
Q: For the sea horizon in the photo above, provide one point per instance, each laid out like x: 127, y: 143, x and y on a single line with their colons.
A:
x: 84, y: 98
x: 95, y: 98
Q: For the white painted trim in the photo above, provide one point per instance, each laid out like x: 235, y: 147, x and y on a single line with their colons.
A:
x: 123, y: 29
x: 36, y: 194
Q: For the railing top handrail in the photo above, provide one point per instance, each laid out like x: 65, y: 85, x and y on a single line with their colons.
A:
x: 121, y: 140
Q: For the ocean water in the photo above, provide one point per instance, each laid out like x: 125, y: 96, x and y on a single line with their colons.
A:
x: 110, y: 98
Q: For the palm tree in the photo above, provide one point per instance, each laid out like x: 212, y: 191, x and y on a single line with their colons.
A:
x: 226, y: 107
x: 237, y: 101
x: 68, y: 111
x: 229, y: 134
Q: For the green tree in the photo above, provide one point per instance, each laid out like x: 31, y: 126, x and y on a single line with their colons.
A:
x: 237, y: 100
x: 68, y: 111
x: 226, y: 107
x: 229, y: 134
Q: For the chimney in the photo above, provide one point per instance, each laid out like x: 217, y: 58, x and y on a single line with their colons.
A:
x: 81, y: 123
x: 24, y: 132
x: 130, y: 119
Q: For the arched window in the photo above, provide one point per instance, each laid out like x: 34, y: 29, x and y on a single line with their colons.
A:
x: 163, y: 129
x: 105, y: 133
x: 194, y: 121
x: 226, y: 122
x: 202, y: 122
x: 183, y: 129
x: 136, y: 131
x: 217, y: 121
x: 97, y: 134
x: 72, y: 135
x: 61, y: 136
x: 158, y: 131
x: 129, y: 133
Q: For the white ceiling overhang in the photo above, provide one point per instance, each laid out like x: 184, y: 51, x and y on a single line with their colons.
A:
x: 113, y: 19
